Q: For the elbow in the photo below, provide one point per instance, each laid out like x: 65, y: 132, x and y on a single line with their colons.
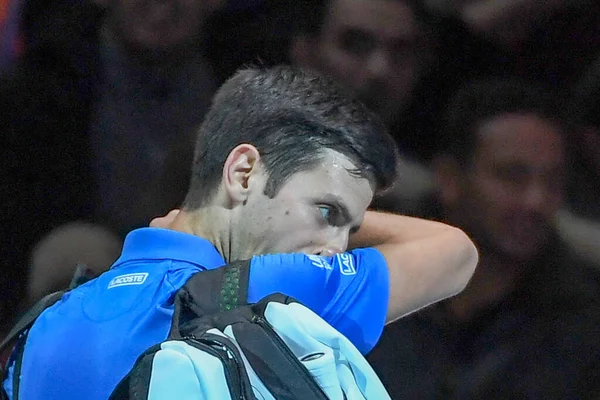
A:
x: 467, y: 257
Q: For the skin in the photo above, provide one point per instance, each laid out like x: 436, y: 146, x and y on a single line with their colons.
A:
x: 373, y: 47
x: 320, y: 206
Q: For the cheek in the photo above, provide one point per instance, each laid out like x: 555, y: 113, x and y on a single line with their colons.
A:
x: 496, y: 194
x: 490, y: 204
x: 343, y: 66
x: 299, y: 229
x: 297, y: 238
x: 554, y: 200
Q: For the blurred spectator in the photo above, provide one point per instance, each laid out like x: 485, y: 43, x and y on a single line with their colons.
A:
x: 527, y: 324
x: 550, y: 41
x: 56, y: 256
x: 104, y: 97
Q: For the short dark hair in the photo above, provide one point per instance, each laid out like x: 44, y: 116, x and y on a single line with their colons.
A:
x: 479, y: 101
x: 290, y: 116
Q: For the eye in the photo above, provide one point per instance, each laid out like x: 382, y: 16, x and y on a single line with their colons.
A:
x: 326, y: 213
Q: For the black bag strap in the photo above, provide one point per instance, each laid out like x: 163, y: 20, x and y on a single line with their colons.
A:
x: 210, y: 292
x: 135, y: 385
x: 82, y: 274
x: 30, y: 316
x: 23, y: 325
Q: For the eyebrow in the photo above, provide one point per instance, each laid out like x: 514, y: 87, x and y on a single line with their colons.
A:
x: 337, y: 202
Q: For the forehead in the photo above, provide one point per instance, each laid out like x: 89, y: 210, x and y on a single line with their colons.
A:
x: 331, y: 178
x: 388, y: 19
x: 526, y: 138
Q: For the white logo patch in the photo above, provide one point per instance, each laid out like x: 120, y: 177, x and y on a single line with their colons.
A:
x: 128, y: 279
x: 319, y: 262
x: 346, y: 264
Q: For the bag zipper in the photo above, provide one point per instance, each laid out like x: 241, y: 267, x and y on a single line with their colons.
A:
x: 291, y: 357
x: 232, y: 368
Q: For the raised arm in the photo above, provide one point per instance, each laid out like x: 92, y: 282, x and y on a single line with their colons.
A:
x: 427, y: 261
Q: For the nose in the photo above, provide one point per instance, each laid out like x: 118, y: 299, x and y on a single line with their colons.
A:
x: 379, y: 65
x: 337, y: 244
x: 536, y: 196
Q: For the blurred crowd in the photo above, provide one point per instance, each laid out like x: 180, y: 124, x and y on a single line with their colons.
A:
x: 495, y: 106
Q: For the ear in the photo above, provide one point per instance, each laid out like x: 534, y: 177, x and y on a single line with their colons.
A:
x: 241, y: 164
x: 448, y: 174
x: 302, y: 50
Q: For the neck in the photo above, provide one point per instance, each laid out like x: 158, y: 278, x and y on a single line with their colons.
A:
x: 211, y: 223
x: 493, y: 280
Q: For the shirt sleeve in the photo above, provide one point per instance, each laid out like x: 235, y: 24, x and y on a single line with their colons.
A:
x: 349, y: 290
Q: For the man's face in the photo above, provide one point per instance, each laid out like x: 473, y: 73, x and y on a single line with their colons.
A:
x: 313, y: 213
x: 514, y: 185
x: 158, y: 25
x: 375, y: 48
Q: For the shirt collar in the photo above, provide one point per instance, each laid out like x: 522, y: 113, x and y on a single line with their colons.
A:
x: 166, y: 244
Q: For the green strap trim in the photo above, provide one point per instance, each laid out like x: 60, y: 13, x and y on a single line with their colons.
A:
x: 230, y: 288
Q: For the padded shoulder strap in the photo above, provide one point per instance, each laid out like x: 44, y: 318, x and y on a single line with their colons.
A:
x: 23, y: 324
x: 82, y: 274
x: 30, y: 316
x: 210, y: 292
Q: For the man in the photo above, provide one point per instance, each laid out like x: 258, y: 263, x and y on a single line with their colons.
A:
x: 526, y: 326
x: 285, y: 163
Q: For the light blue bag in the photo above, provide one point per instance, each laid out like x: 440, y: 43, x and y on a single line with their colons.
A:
x: 274, y: 349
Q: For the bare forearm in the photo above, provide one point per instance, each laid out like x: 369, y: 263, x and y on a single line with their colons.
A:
x: 427, y: 261
x: 381, y: 228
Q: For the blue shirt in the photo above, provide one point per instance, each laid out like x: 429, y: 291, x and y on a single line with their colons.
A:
x: 82, y: 346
